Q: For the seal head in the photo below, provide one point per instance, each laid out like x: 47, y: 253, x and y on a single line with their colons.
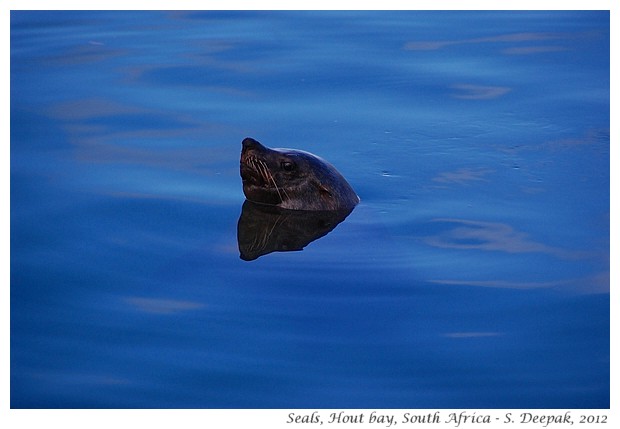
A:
x: 292, y: 179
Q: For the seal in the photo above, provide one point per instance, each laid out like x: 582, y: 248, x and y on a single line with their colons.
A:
x: 293, y: 179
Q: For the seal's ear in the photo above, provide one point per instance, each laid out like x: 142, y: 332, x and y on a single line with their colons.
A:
x: 323, y: 191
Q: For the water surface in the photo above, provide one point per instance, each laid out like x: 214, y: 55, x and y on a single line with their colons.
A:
x: 474, y: 273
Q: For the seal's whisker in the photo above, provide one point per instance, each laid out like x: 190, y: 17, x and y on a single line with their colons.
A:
x: 258, y: 166
x: 284, y: 191
x: 270, y: 178
x: 264, y: 171
x: 275, y: 185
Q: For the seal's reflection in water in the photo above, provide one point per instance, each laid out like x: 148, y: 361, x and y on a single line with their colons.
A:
x: 263, y: 229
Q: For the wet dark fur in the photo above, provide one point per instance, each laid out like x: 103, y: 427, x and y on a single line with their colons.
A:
x: 292, y: 179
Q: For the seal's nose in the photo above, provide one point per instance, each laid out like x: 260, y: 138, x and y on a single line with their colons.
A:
x: 250, y: 143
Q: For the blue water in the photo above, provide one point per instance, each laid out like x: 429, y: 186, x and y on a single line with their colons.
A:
x: 473, y: 274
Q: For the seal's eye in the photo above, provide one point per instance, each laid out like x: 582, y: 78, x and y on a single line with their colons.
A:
x: 287, y: 166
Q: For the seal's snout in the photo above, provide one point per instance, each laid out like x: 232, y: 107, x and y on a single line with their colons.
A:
x: 250, y: 143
